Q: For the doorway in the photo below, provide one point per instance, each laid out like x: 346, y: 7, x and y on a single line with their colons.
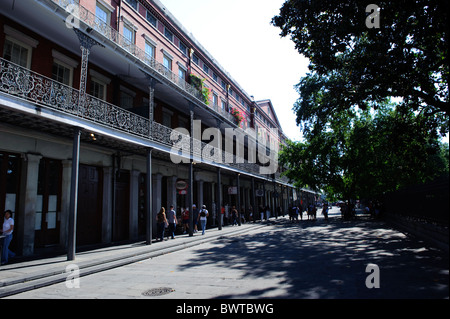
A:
x: 48, y: 203
x: 89, y: 213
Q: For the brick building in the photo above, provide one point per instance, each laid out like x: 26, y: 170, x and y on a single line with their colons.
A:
x: 91, y: 92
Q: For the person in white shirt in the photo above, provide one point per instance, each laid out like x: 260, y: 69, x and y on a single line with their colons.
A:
x: 7, y: 230
x: 203, y: 216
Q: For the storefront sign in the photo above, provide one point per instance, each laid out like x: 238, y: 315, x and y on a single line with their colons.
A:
x: 181, y: 185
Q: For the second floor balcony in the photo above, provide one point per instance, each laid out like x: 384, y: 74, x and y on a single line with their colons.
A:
x: 50, y: 105
x: 99, y: 29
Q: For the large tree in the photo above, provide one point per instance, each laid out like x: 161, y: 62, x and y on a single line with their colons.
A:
x: 356, y: 145
x: 406, y: 57
x: 366, y: 155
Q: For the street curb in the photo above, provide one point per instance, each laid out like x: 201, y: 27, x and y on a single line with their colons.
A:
x: 58, y: 274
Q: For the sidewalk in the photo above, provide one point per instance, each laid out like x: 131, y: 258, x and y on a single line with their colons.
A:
x: 24, y: 276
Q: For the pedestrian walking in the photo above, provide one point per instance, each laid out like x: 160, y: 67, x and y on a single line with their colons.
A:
x: 293, y: 215
x: 310, y: 211
x: 241, y: 214
x: 194, y: 217
x: 267, y: 212
x: 325, y: 211
x: 261, y: 212
x: 172, y: 220
x: 202, y: 217
x: 222, y: 214
x: 7, y: 230
x: 227, y: 214
x: 185, y: 220
x: 250, y: 214
x: 234, y: 216
x: 161, y: 223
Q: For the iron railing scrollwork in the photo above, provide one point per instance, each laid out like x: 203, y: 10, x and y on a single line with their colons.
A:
x: 38, y: 89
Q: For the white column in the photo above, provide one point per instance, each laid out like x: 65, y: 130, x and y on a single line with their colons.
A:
x: 29, y: 213
x: 199, y: 194
x: 171, y: 192
x: 156, y: 198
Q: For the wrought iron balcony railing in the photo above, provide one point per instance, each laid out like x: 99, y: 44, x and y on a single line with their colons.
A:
x: 34, y: 87
x: 28, y: 85
x: 91, y: 20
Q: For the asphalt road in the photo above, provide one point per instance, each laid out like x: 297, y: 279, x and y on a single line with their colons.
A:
x: 306, y: 260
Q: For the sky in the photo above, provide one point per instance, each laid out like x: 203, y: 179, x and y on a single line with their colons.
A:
x: 240, y: 37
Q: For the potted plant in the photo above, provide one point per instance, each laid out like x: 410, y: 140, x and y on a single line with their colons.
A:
x: 237, y: 115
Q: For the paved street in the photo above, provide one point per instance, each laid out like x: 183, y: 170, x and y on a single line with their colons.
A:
x: 321, y: 259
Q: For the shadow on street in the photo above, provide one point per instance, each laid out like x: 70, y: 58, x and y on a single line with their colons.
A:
x: 328, y: 259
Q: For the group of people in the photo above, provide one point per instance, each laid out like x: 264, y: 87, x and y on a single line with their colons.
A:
x: 231, y: 216
x: 311, y: 210
x: 169, y: 221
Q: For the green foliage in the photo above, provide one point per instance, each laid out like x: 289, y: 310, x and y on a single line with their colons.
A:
x: 356, y: 143
x: 406, y: 57
x: 367, y: 155
x: 198, y: 83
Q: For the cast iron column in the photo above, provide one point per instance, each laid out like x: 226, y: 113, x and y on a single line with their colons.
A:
x: 191, y: 176
x: 72, y: 231
x: 238, y: 202
x: 219, y: 198
x: 149, y: 202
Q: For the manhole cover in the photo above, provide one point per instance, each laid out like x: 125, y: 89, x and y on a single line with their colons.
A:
x: 158, y: 291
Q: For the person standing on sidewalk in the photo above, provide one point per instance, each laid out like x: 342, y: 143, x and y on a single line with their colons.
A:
x: 172, y: 220
x: 203, y: 216
x: 261, y: 212
x: 7, y: 230
x: 161, y: 222
x: 194, y: 217
x: 185, y: 220
x: 325, y: 211
x: 234, y: 216
x: 222, y: 213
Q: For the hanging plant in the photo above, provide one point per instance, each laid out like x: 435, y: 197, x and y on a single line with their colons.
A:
x: 238, y: 117
x: 198, y: 83
x: 206, y: 92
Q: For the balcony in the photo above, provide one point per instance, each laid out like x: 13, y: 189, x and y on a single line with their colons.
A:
x: 156, y: 69
x: 101, y: 116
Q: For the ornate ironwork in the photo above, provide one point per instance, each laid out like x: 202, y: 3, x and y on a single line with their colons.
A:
x: 36, y: 88
x: 90, y: 19
x: 86, y: 43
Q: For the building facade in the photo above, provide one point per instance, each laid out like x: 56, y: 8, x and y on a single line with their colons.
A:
x: 94, y: 97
